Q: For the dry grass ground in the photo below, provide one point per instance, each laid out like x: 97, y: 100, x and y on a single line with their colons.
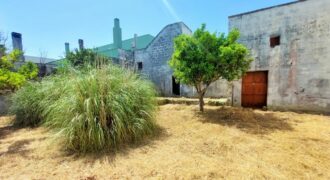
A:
x: 229, y: 143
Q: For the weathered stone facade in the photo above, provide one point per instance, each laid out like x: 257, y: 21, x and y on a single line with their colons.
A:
x: 155, y: 57
x: 299, y: 67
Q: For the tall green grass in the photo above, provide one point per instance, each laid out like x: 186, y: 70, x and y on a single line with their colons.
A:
x: 30, y: 103
x: 26, y: 105
x: 91, y: 109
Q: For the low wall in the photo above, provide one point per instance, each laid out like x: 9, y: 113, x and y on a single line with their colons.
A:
x: 4, y: 104
x: 192, y: 101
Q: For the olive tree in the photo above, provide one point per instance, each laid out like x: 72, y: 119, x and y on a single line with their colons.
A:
x: 203, y: 57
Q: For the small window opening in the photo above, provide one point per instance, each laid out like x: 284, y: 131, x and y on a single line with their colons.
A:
x: 140, y: 66
x: 275, y: 41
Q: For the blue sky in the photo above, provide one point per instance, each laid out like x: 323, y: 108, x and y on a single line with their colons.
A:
x: 46, y: 24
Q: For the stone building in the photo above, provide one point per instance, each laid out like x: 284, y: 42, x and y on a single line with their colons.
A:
x: 291, y: 47
x: 150, y: 55
x: 152, y: 61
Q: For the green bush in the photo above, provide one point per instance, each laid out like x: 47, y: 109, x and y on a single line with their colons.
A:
x: 30, y: 102
x: 91, y: 109
x: 26, y: 105
x: 10, y: 80
x: 29, y: 70
x: 83, y: 57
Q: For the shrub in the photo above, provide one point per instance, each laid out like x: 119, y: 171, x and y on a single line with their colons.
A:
x: 26, y: 105
x: 91, y: 109
x: 29, y: 102
x: 83, y: 57
x: 10, y: 80
x: 29, y: 70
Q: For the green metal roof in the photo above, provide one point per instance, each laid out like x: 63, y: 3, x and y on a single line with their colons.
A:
x: 111, y: 51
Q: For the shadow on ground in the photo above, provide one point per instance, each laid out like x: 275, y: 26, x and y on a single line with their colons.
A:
x: 6, y: 126
x: 6, y: 131
x: 124, y: 149
x: 246, y: 120
x: 18, y: 147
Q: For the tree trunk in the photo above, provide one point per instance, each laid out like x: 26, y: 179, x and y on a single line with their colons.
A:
x: 201, y: 102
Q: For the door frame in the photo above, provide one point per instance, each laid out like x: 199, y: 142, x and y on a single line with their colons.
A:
x: 266, y: 100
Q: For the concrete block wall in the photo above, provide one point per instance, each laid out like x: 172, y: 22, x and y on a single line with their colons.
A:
x: 155, y: 63
x: 299, y: 68
x: 156, y: 56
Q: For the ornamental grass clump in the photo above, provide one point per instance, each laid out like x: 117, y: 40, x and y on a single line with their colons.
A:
x: 103, y: 108
x: 26, y: 105
x: 98, y: 109
x: 30, y: 102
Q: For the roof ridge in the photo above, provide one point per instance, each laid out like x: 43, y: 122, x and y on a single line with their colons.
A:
x: 172, y: 24
x: 266, y: 8
x: 125, y: 40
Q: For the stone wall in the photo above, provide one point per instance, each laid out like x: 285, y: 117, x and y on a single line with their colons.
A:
x: 4, y: 104
x: 156, y: 56
x: 299, y: 68
x: 155, y: 63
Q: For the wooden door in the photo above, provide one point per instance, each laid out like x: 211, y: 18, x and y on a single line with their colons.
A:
x: 254, y: 89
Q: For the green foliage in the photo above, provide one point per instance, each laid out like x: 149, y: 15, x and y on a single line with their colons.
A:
x: 26, y: 105
x: 29, y: 70
x: 7, y: 61
x: 30, y: 102
x: 10, y: 80
x: 85, y: 57
x: 203, y: 58
x: 93, y: 109
x: 63, y: 67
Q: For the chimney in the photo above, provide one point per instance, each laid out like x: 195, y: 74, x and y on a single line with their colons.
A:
x: 67, y: 48
x: 134, y: 43
x: 81, y: 44
x: 117, y: 37
x: 2, y: 50
x: 17, y: 43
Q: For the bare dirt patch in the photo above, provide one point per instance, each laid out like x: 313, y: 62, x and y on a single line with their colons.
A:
x: 220, y: 143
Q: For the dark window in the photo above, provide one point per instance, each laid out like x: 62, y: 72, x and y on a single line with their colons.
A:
x: 140, y: 65
x: 275, y: 41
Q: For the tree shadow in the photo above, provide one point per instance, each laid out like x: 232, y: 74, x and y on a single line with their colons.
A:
x: 246, y: 120
x: 6, y: 131
x: 124, y: 149
x: 18, y: 148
